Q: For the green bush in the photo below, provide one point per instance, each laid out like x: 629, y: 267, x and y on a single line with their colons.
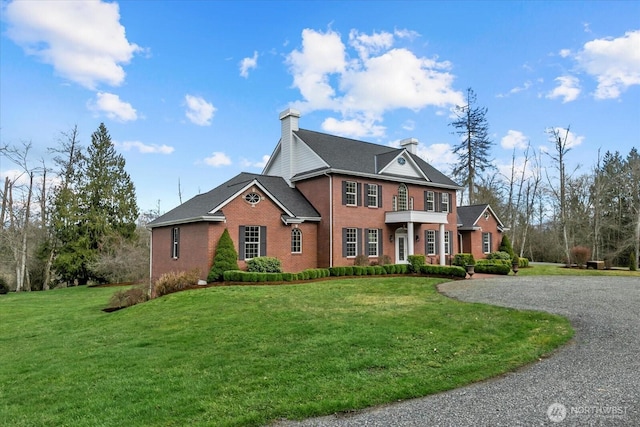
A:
x: 443, y: 270
x: 389, y: 268
x: 264, y: 264
x: 416, y: 261
x: 4, y: 286
x: 462, y: 260
x: 499, y: 255
x: 371, y: 271
x: 493, y: 266
x: 175, y: 281
x: 225, y: 259
x: 505, y: 246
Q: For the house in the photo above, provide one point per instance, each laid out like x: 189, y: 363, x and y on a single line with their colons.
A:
x: 320, y: 201
x: 479, y: 230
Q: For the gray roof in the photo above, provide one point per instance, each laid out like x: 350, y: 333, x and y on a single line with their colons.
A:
x: 199, y: 208
x: 468, y: 216
x: 361, y: 157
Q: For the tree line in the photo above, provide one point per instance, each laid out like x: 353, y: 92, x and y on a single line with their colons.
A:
x: 71, y: 223
x: 550, y: 211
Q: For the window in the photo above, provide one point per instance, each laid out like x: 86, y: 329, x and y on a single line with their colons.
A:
x: 429, y: 201
x: 444, y: 203
x: 447, y: 242
x: 251, y: 241
x: 402, y: 197
x: 486, y: 243
x: 431, y: 242
x: 351, y: 193
x: 296, y: 241
x: 175, y: 242
x: 373, y: 237
x: 372, y: 196
x: 351, y: 242
x: 252, y: 198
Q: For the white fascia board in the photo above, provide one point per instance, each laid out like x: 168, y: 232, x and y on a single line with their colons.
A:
x: 188, y: 221
x: 245, y: 188
x: 407, y: 157
x: 391, y: 178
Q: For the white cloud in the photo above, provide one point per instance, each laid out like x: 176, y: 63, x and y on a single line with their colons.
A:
x: 260, y: 164
x: 111, y: 105
x: 615, y: 63
x: 199, y: 111
x: 83, y: 40
x: 248, y: 64
x: 514, y: 139
x: 409, y: 125
x: 516, y: 89
x: 378, y: 79
x: 145, y: 148
x: 568, y: 89
x: 217, y: 159
x: 572, y: 140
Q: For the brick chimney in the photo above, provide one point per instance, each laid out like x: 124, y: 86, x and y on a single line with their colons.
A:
x: 411, y: 144
x: 289, y: 124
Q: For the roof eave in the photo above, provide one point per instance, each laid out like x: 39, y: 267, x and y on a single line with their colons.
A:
x: 207, y: 218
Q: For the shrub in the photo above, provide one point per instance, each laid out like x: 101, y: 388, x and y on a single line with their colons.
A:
x: 175, y: 281
x: 499, y: 255
x: 4, y: 286
x: 498, y: 266
x: 264, y: 264
x: 402, y: 268
x: 361, y: 260
x: 462, y: 260
x: 633, y: 262
x: 443, y: 270
x: 371, y: 271
x: 505, y: 246
x: 384, y: 260
x: 129, y: 297
x: 225, y: 259
x: 580, y: 255
x: 416, y: 261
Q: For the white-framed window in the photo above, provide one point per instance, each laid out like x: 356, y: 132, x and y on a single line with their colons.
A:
x: 351, y: 242
x: 430, y: 201
x: 251, y: 241
x: 351, y: 193
x: 486, y: 243
x: 402, y: 197
x: 296, y: 241
x: 444, y: 203
x: 431, y: 242
x: 372, y: 196
x: 175, y: 242
x: 373, y: 237
x: 447, y: 242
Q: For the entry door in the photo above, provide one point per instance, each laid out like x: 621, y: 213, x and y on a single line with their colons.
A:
x: 401, y: 248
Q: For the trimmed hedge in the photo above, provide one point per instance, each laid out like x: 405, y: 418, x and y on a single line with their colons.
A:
x: 416, y: 262
x: 462, y: 260
x: 494, y: 266
x: 443, y: 270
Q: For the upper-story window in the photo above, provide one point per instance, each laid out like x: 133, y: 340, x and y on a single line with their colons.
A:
x: 430, y: 201
x: 351, y: 193
x: 444, y: 202
x: 372, y: 195
x: 402, y: 198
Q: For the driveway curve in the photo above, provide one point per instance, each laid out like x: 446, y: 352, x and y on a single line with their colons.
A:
x: 592, y: 380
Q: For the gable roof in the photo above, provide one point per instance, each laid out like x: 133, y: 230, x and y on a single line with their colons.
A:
x: 210, y: 206
x: 468, y: 216
x: 353, y: 157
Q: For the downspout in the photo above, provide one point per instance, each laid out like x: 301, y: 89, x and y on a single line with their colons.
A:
x: 330, y: 219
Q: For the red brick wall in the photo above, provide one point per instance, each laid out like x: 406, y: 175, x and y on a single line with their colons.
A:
x: 198, y: 240
x: 317, y: 192
x: 472, y: 240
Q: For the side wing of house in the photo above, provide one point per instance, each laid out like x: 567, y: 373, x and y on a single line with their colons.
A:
x: 479, y: 230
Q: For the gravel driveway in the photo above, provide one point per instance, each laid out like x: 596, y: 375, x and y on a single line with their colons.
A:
x: 593, y: 380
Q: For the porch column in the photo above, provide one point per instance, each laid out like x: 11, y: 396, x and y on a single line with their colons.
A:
x: 410, y: 238
x: 443, y: 260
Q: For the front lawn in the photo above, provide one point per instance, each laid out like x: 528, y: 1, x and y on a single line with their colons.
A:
x: 248, y: 355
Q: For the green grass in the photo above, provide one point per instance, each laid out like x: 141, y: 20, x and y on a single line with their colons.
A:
x: 559, y: 270
x: 249, y: 355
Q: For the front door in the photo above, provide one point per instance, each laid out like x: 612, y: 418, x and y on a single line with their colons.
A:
x: 401, y: 247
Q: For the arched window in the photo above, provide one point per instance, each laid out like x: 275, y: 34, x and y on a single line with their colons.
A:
x: 402, y: 198
x: 296, y: 241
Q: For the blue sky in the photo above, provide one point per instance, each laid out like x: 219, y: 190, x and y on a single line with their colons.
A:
x: 190, y: 91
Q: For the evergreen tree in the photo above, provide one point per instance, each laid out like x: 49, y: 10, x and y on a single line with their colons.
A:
x: 473, y: 150
x: 102, y: 202
x: 225, y: 259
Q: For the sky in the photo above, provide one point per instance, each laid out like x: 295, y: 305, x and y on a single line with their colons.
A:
x: 191, y: 91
